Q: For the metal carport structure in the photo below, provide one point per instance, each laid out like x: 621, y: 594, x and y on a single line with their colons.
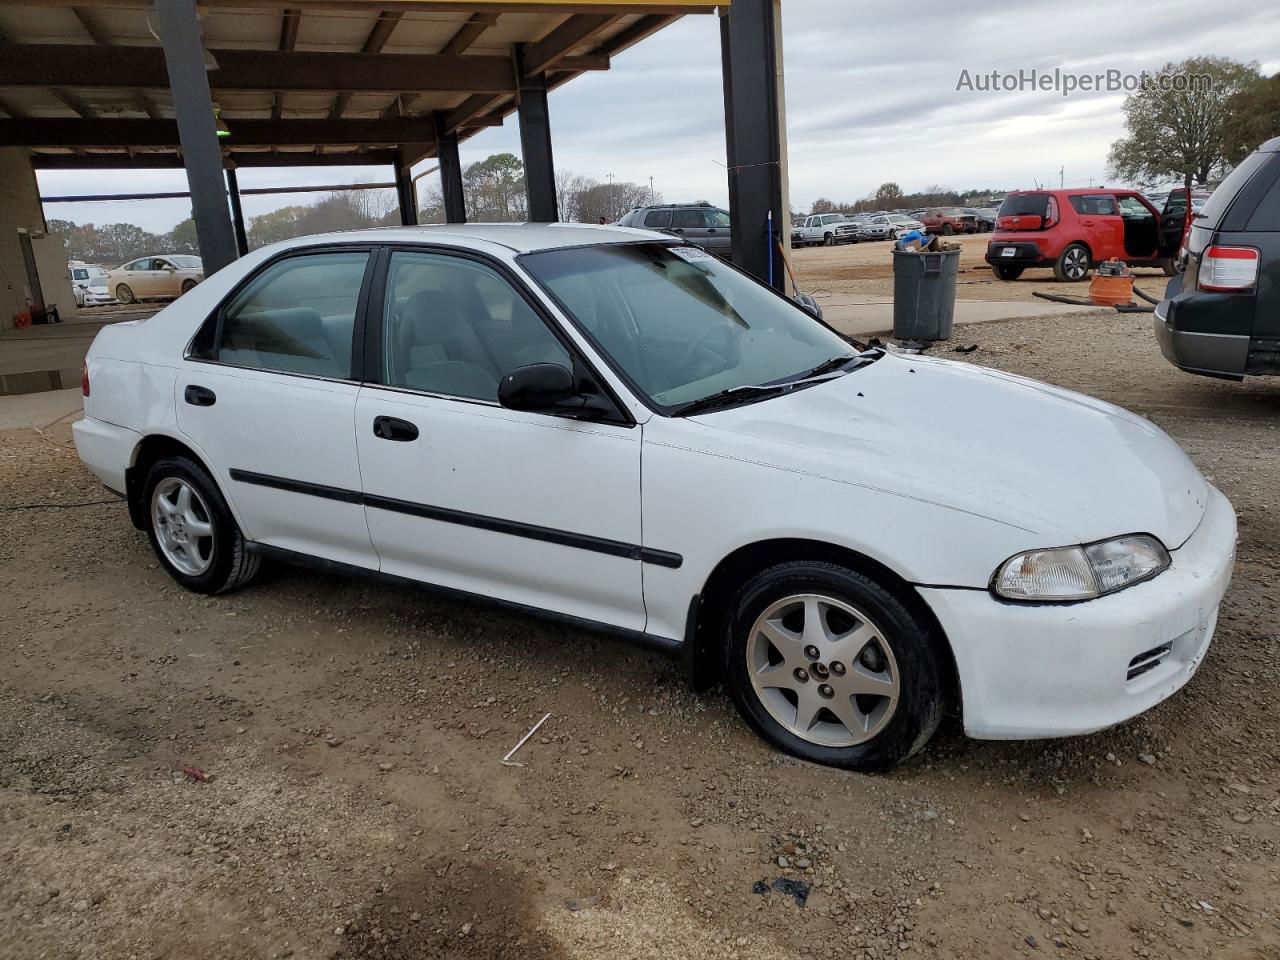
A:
x: 218, y: 85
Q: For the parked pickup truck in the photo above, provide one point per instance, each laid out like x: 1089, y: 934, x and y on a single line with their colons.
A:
x: 825, y: 228
x: 948, y: 220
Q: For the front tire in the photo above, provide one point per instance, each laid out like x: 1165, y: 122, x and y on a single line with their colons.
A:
x: 826, y: 664
x: 947, y: 230
x: 1170, y: 266
x: 829, y: 240
x: 188, y: 286
x: 191, y: 529
x: 124, y: 294
x: 1072, y: 264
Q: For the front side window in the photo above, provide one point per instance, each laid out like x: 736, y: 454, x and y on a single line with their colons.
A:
x: 681, y: 324
x: 297, y: 316
x: 717, y: 218
x: 687, y: 219
x: 1133, y: 207
x: 455, y: 327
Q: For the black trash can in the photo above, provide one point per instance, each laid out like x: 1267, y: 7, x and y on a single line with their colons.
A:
x: 924, y: 294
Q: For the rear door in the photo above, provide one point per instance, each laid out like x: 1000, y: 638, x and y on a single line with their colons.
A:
x: 690, y: 223
x: 1101, y: 226
x: 268, y: 396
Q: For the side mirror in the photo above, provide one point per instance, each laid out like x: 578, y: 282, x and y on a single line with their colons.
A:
x: 170, y: 267
x: 538, y: 386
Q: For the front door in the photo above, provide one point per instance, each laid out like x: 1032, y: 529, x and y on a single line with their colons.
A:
x: 268, y: 397
x: 690, y: 223
x: 463, y: 493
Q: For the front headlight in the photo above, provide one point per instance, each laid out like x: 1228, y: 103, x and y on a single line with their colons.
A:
x: 1080, y: 573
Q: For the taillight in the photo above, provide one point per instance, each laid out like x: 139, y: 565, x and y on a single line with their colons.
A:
x: 84, y: 378
x: 1050, y: 213
x: 1229, y: 269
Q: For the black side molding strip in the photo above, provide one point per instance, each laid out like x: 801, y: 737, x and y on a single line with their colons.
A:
x: 515, y: 528
x: 636, y: 637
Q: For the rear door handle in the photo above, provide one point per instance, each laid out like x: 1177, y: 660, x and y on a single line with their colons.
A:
x: 393, y: 428
x: 199, y: 396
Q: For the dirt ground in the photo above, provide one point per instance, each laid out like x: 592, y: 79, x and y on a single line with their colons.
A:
x: 865, y: 270
x: 356, y: 806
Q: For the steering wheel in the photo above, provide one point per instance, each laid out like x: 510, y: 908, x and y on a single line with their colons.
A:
x: 703, y: 345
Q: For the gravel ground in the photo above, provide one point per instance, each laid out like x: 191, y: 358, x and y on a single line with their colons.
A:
x: 345, y: 797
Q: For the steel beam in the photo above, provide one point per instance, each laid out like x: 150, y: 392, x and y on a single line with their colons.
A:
x: 142, y: 68
x: 535, y: 144
x: 133, y: 132
x: 574, y: 32
x: 455, y: 204
x: 166, y: 161
x: 183, y: 54
x: 406, y: 192
x: 751, y: 52
x: 237, y: 214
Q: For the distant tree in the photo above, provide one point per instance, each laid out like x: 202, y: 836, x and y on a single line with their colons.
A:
x: 888, y: 194
x: 611, y: 200
x: 494, y: 189
x: 822, y: 205
x: 1253, y: 116
x: 1176, y: 129
x: 182, y: 238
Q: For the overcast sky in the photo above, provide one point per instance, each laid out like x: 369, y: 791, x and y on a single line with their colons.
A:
x: 870, y: 96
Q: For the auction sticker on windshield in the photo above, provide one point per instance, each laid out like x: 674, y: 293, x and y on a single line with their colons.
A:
x: 692, y: 254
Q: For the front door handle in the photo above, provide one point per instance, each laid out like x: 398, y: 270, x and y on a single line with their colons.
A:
x: 393, y: 428
x: 199, y: 396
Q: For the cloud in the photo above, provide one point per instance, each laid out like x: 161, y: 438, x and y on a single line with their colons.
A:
x: 870, y: 96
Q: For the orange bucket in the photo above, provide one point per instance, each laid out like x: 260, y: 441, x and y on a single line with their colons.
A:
x: 1112, y: 287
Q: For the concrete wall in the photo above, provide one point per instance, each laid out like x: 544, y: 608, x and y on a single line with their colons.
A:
x: 19, y: 207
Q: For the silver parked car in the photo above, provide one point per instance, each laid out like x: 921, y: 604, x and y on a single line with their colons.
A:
x: 699, y: 223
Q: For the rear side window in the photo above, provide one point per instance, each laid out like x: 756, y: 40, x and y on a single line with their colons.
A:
x: 297, y: 316
x: 1220, y: 199
x: 1093, y: 205
x: 657, y: 218
x: 1025, y: 205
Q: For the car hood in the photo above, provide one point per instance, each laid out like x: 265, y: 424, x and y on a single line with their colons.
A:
x: 1060, y: 465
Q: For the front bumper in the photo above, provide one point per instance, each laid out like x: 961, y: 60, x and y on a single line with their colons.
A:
x: 95, y: 297
x: 1053, y: 670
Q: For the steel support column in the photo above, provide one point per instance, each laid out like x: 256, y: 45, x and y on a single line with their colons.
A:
x: 193, y: 107
x: 535, y: 145
x: 237, y: 214
x: 751, y: 59
x: 406, y: 192
x: 455, y: 203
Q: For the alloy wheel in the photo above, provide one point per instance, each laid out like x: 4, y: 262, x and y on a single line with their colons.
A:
x: 183, y: 526
x: 823, y: 670
x: 1075, y: 264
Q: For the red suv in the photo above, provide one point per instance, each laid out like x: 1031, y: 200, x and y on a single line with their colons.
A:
x: 1073, y: 230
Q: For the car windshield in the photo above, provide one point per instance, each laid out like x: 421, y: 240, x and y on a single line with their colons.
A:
x: 682, y: 325
x: 186, y: 263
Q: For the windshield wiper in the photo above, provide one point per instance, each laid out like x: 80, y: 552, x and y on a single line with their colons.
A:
x: 827, y: 366
x: 731, y: 396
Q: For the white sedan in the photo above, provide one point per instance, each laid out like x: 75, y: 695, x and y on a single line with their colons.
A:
x: 621, y: 431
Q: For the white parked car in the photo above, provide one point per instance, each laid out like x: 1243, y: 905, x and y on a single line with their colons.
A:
x: 893, y: 225
x: 167, y: 277
x: 613, y: 428
x: 89, y: 284
x: 825, y: 228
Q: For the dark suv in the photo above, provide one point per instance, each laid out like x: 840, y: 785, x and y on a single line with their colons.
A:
x: 1221, y: 316
x: 699, y: 223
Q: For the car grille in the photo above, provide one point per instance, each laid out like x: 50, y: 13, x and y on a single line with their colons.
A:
x: 1148, y: 660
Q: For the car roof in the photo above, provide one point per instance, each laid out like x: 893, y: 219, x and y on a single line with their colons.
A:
x: 517, y: 237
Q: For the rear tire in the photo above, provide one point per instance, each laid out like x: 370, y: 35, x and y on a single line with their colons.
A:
x: 1006, y: 272
x: 124, y: 294
x: 876, y: 665
x: 1170, y: 267
x: 947, y: 230
x: 1072, y: 264
x: 191, y: 528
